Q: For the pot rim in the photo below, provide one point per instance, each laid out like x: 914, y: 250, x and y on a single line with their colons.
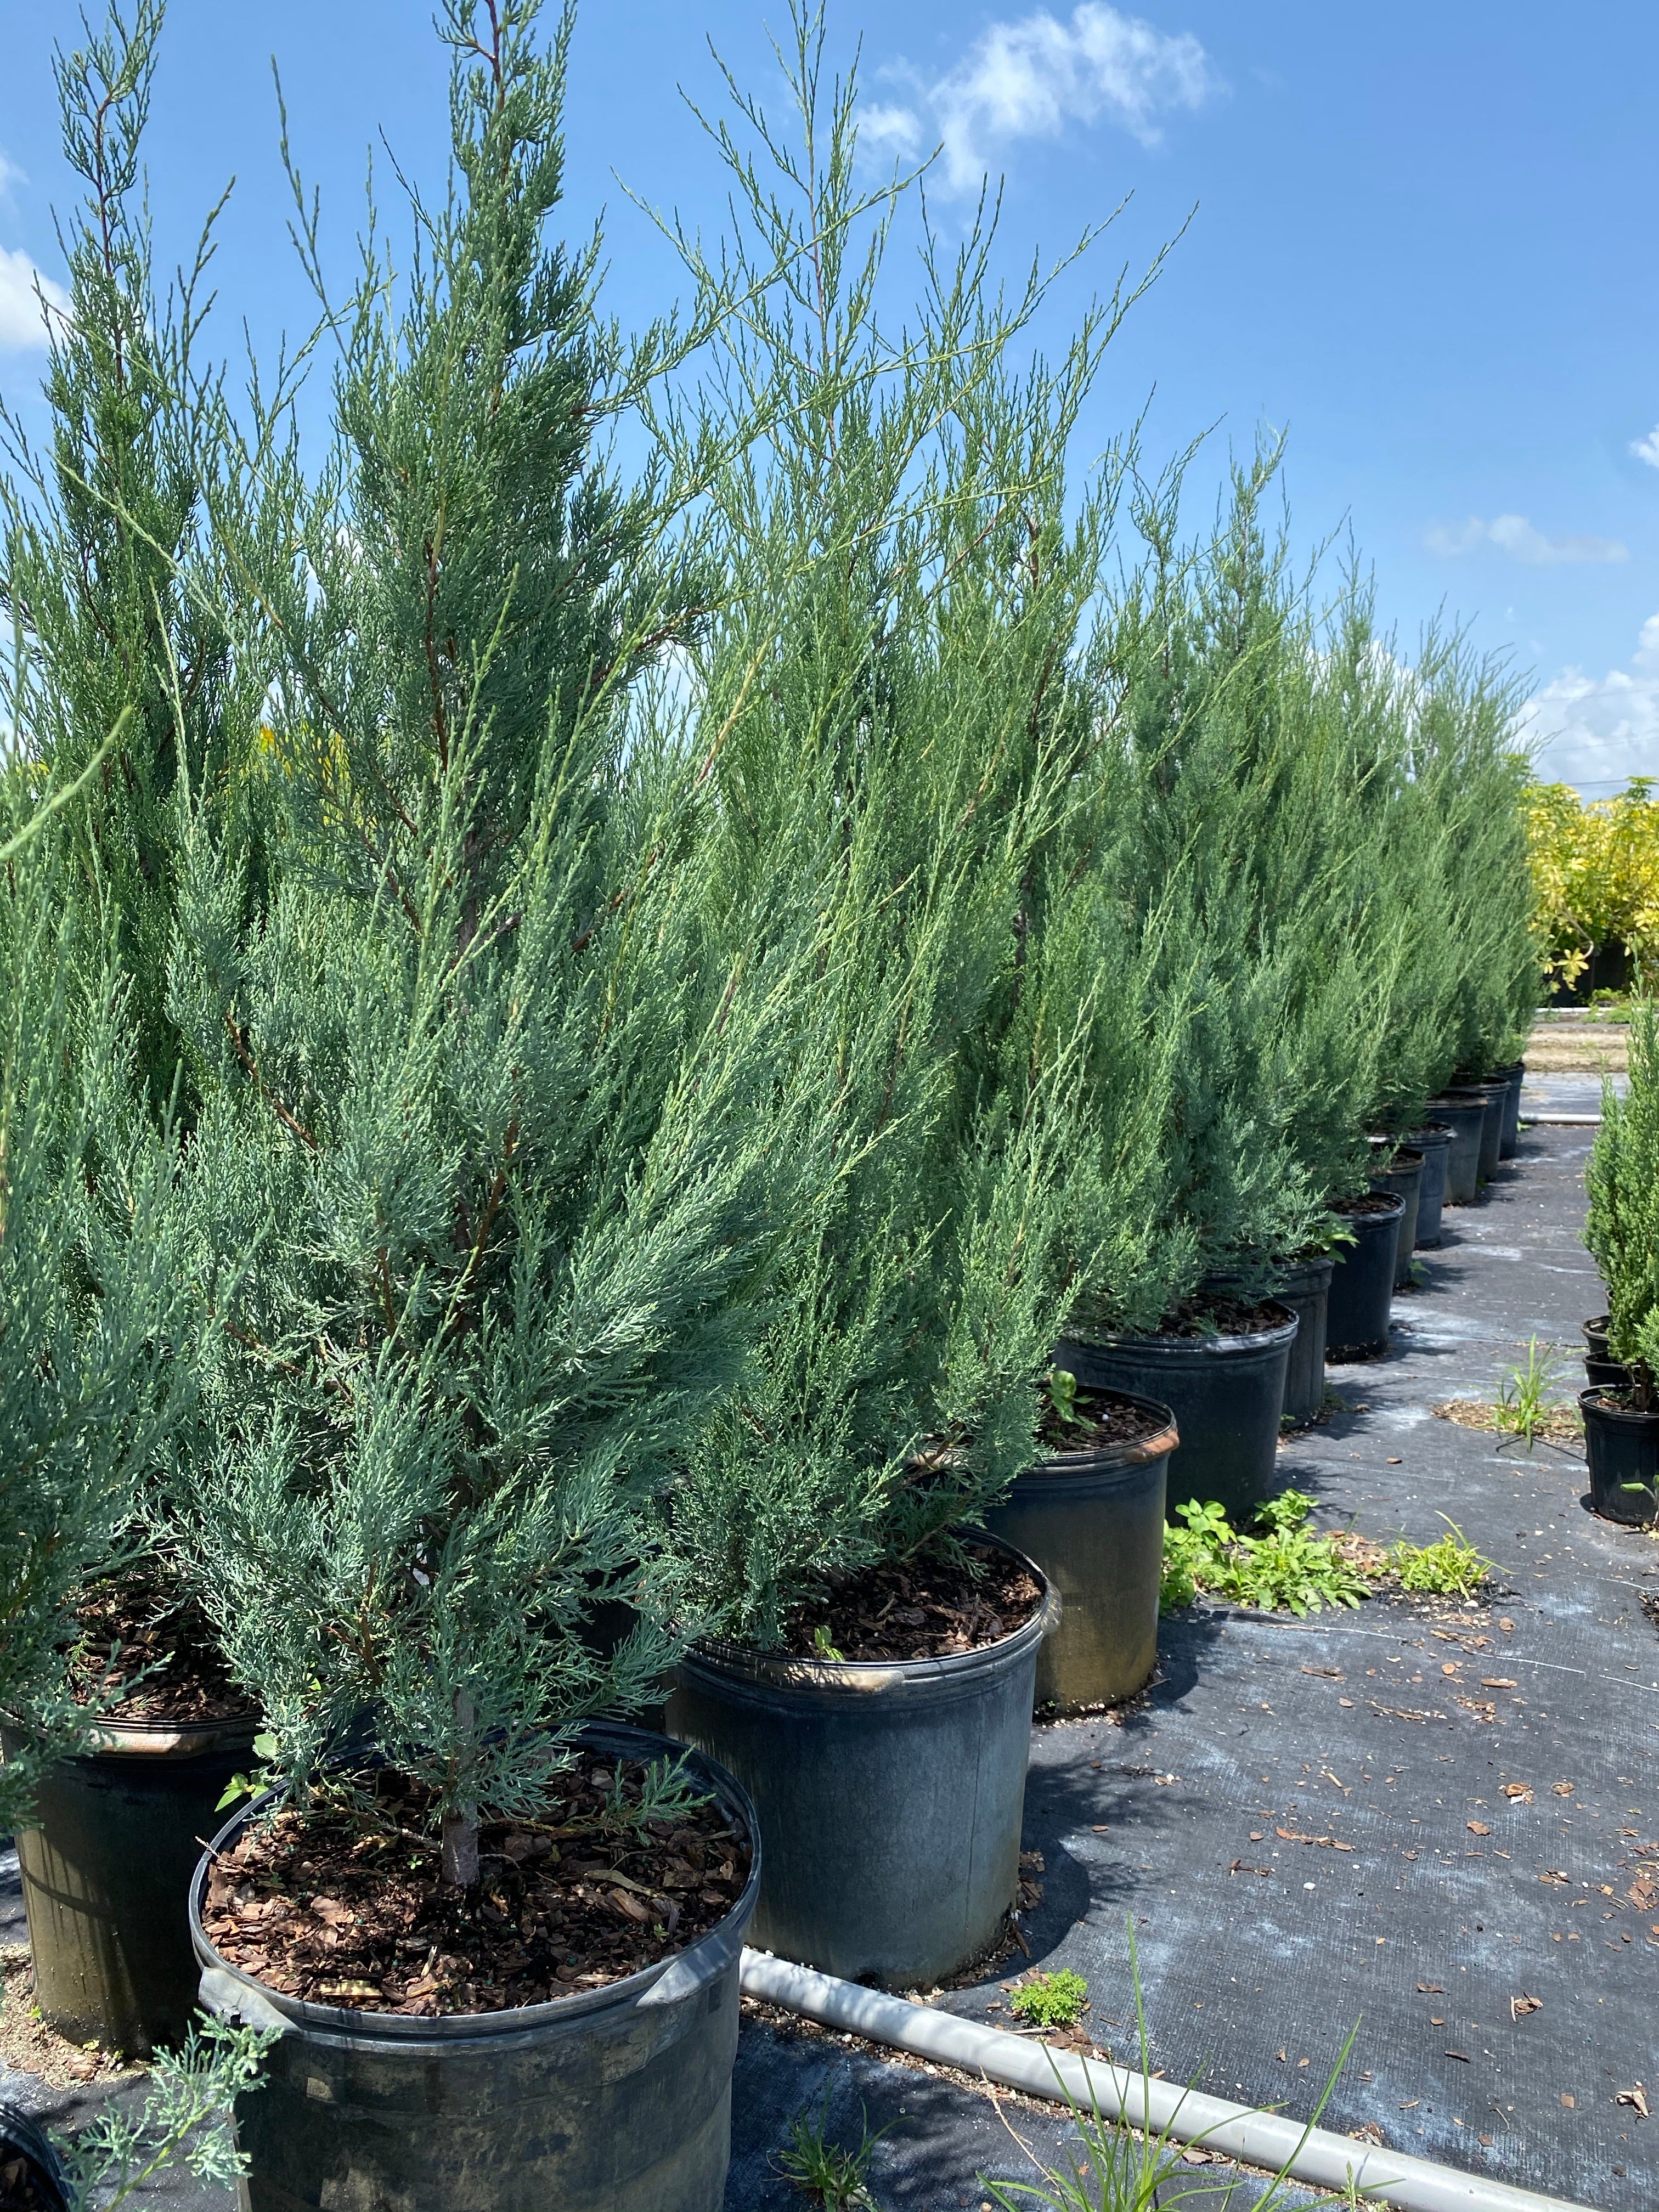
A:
x: 775, y: 1671
x: 110, y: 1739
x: 1139, y: 1451
x: 358, y: 2026
x: 1370, y: 1213
x: 1593, y: 1401
x: 1218, y: 1346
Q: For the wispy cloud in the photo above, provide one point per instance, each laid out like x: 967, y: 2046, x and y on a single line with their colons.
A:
x: 1521, y: 540
x: 1595, y: 732
x: 10, y: 175
x: 22, y: 324
x: 1647, y: 449
x: 1034, y: 77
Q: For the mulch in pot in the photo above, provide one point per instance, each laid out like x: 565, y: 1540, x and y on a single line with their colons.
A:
x: 1369, y: 1201
x: 344, y: 1905
x: 1213, y: 1316
x: 150, y: 1656
x: 928, y: 1608
x: 1105, y: 1420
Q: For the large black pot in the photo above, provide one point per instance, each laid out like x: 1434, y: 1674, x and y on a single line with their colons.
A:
x: 106, y: 1871
x: 1093, y: 1521
x: 1622, y: 1446
x: 23, y: 2145
x: 1601, y: 1370
x: 1494, y: 1090
x: 1435, y: 1145
x: 605, y: 2101
x: 1464, y: 1113
x: 1304, y: 1286
x: 890, y: 1793
x: 1403, y: 1179
x: 1227, y: 1394
x: 1509, y: 1137
x: 1362, y: 1284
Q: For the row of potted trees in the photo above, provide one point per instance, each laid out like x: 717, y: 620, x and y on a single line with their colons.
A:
x: 622, y: 1091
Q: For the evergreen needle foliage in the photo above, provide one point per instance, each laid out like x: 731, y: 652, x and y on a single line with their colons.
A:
x: 487, y: 1092
x: 1622, y: 1227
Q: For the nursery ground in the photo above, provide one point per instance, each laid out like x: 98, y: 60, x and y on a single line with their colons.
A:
x: 1393, y: 1731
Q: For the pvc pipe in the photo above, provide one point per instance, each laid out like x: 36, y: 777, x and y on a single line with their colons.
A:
x: 1316, y: 2155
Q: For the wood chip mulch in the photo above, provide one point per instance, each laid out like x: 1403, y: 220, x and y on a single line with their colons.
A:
x: 134, y: 1631
x: 339, y: 1906
x: 926, y: 1608
x: 1559, y: 1424
x: 1105, y: 1419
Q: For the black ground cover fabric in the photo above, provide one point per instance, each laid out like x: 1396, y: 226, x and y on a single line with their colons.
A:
x: 1393, y: 1731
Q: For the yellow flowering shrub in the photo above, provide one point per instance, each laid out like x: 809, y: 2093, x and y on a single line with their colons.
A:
x: 1596, y: 875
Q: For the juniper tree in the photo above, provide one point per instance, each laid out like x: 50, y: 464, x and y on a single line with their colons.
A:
x: 89, y: 1288
x: 486, y: 1107
x: 108, y: 567
x: 1621, y: 1229
x: 891, y: 706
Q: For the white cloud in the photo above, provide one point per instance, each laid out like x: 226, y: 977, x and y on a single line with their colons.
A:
x: 1521, y: 540
x: 1647, y: 449
x: 1596, y: 733
x: 21, y: 323
x: 1031, y: 78
x: 10, y: 175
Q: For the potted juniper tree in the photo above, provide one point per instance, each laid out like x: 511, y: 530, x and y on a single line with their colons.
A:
x: 481, y: 1191
x: 1621, y: 1420
x: 901, y: 730
x: 121, y: 677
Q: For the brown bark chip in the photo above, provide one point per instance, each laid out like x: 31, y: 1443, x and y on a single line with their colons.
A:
x: 343, y: 1906
x: 923, y: 1608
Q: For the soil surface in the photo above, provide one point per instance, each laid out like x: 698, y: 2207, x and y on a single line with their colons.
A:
x: 344, y: 1906
x: 1369, y: 1201
x: 1214, y: 1316
x: 1103, y: 1419
x: 133, y: 1631
x: 927, y: 1609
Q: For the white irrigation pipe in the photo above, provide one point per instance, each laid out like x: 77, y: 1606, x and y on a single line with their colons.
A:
x: 1317, y: 2155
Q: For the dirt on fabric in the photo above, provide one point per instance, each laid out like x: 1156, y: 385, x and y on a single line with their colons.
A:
x: 30, y: 2046
x: 925, y: 1608
x: 1105, y: 1420
x: 134, y: 1631
x: 344, y: 1905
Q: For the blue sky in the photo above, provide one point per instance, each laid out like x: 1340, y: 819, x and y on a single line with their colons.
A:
x: 1422, y: 245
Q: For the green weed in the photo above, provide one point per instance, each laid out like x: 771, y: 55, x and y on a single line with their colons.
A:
x: 826, y: 2173
x: 1449, y: 1568
x: 1285, y: 1569
x: 1052, y: 2000
x: 1523, y: 1408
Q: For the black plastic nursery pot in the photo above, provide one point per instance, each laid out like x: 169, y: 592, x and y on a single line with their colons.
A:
x: 1226, y: 1392
x: 1509, y: 1136
x: 608, y: 2100
x: 30, y: 2176
x: 890, y: 1793
x: 1303, y: 1288
x: 1596, y: 1335
x: 1494, y: 1090
x: 106, y: 1872
x: 1464, y: 1113
x: 1093, y: 1521
x: 1622, y: 1445
x: 1403, y: 1178
x: 1435, y: 1145
x: 1361, y: 1282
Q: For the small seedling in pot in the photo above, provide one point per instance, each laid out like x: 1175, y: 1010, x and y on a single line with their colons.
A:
x: 1062, y: 1398
x: 1052, y: 2000
x: 824, y: 2172
x: 822, y: 1646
